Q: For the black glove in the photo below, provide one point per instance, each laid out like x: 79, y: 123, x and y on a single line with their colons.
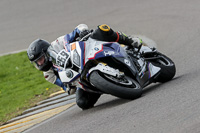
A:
x: 83, y: 33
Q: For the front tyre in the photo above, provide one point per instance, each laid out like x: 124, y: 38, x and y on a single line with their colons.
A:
x: 123, y: 87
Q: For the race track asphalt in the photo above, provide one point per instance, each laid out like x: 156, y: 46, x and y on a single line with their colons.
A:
x: 172, y: 107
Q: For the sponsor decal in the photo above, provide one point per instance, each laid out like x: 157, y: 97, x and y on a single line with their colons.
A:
x: 97, y: 49
x: 109, y: 53
x: 127, y: 62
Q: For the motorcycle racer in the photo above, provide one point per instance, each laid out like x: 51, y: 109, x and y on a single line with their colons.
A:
x: 41, y: 53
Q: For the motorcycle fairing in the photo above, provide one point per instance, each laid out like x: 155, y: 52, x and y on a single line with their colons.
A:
x: 98, y: 49
x: 93, y: 49
x: 147, y: 74
x: 67, y: 44
x: 66, y: 79
x: 77, y: 53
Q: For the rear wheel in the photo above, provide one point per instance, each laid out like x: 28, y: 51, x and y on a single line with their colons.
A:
x: 167, y: 66
x: 123, y: 87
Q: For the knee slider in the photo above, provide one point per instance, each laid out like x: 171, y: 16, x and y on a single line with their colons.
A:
x: 104, y: 27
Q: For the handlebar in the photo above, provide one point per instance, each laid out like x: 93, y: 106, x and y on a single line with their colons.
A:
x: 86, y: 36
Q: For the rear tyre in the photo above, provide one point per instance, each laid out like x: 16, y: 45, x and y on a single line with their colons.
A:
x: 123, y: 87
x: 167, y: 66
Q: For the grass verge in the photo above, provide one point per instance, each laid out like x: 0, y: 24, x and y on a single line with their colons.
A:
x: 21, y: 85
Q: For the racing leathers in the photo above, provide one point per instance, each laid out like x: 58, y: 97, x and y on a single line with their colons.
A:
x: 58, y: 45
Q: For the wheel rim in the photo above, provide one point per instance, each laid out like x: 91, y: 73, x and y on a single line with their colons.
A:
x: 122, y: 81
x: 164, y: 61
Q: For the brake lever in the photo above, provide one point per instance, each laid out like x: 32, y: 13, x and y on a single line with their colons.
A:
x: 86, y: 36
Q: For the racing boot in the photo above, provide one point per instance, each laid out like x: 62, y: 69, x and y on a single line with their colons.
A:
x: 105, y: 33
x: 133, y: 42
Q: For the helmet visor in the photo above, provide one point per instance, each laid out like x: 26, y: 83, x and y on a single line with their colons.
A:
x: 40, y: 62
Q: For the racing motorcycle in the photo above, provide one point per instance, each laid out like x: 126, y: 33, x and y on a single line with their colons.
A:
x: 109, y: 68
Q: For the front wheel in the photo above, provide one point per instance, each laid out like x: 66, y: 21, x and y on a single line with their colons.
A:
x: 123, y: 87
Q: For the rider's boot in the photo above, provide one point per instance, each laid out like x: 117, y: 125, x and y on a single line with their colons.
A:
x: 145, y: 49
x: 105, y: 33
x: 132, y: 42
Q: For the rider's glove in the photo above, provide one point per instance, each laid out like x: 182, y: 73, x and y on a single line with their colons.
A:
x: 83, y: 33
x: 136, y: 42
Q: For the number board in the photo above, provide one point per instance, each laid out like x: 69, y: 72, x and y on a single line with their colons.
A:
x: 62, y: 58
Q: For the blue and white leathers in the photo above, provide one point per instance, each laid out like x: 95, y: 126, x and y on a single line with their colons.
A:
x: 59, y: 44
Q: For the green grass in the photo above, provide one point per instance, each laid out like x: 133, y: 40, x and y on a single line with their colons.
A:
x: 21, y: 85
